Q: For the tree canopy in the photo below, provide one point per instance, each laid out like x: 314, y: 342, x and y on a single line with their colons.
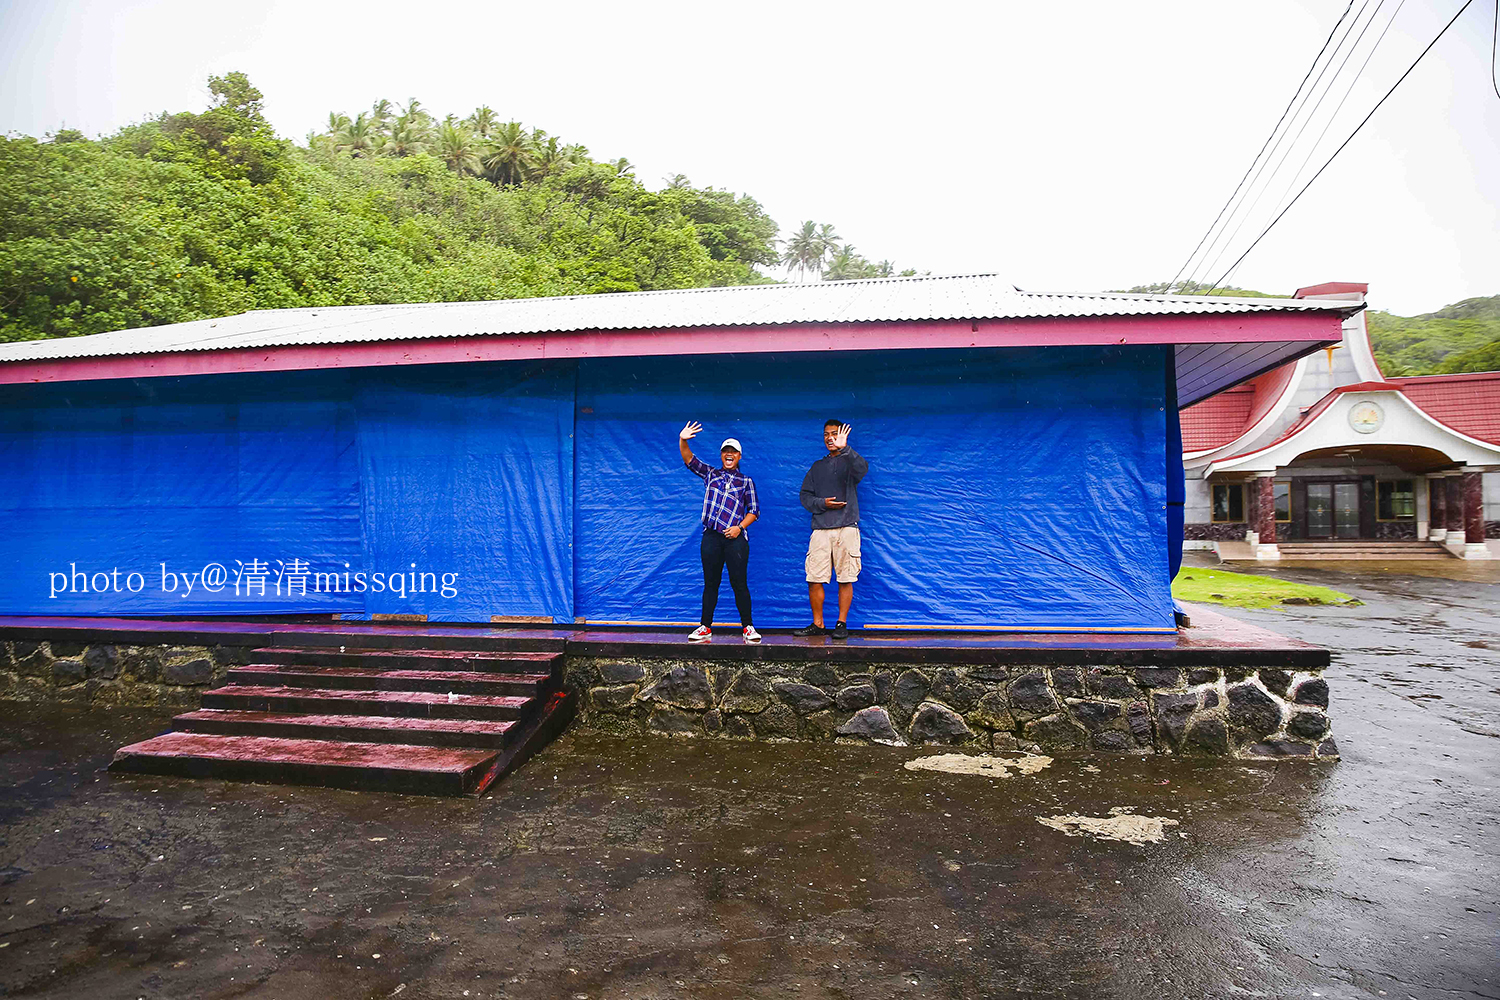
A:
x: 193, y: 215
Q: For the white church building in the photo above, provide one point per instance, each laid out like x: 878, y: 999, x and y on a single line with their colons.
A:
x: 1326, y: 458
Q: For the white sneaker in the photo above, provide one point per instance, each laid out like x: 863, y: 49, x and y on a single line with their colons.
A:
x: 701, y: 634
x: 751, y: 635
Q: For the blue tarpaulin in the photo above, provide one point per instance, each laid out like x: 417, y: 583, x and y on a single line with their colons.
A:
x: 1018, y: 488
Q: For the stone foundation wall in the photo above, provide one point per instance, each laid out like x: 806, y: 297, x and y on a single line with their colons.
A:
x: 1215, y: 531
x: 1253, y: 712
x: 1250, y: 712
x: 111, y: 674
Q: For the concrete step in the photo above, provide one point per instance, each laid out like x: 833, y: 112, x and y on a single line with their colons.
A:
x: 349, y: 728
x: 366, y: 678
x: 422, y: 770
x: 411, y: 704
x: 410, y: 659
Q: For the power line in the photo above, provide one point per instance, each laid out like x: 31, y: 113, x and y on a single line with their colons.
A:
x: 1288, y: 107
x: 1343, y: 144
x: 1312, y: 114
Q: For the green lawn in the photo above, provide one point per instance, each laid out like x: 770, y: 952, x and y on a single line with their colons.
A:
x: 1242, y: 590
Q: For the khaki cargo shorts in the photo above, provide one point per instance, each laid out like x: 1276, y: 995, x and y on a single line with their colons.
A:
x: 833, y: 551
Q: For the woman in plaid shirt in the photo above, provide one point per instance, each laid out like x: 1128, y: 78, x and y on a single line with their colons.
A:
x: 729, y: 507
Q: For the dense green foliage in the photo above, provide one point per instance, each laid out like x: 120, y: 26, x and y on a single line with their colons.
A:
x: 1463, y: 337
x: 189, y: 216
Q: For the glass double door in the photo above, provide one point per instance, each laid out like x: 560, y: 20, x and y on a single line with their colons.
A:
x: 1333, y: 510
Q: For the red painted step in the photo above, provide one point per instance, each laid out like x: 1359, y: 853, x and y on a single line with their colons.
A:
x: 422, y: 770
x: 368, y: 679
x: 411, y: 659
x: 425, y: 704
x: 349, y: 728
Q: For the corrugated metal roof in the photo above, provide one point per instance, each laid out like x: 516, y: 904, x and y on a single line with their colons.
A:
x: 963, y: 297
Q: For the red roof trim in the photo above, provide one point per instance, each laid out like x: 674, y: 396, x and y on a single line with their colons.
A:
x: 1236, y: 328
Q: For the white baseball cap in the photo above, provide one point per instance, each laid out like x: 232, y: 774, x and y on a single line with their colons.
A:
x: 732, y: 443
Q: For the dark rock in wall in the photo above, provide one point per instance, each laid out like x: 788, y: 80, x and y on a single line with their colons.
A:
x: 936, y: 723
x: 871, y: 724
x: 952, y: 687
x: 1276, y: 680
x: 1112, y: 741
x: 1030, y: 696
x: 620, y: 671
x: 1095, y: 715
x: 1328, y: 748
x: 1203, y: 675
x: 1138, y: 717
x: 1173, y: 712
x: 802, y: 698
x: 143, y: 663
x: 674, y: 721
x: 102, y: 662
x: 820, y: 674
x: 1210, y: 698
x: 1158, y: 677
x: 682, y: 687
x: 855, y: 696
x: 1253, y: 711
x: 1103, y: 684
x: 911, y: 688
x: 1279, y: 748
x: 748, y: 693
x: 713, y: 722
x: 63, y: 648
x: 36, y: 663
x: 884, y: 680
x: 231, y: 656
x: 1312, y: 692
x: 776, y: 721
x: 993, y: 712
x: 738, y: 726
x: 194, y: 672
x: 1207, y: 736
x: 990, y: 673
x: 1056, y: 732
x: 614, y: 698
x: 1308, y: 725
x: 1067, y: 682
x: 65, y: 672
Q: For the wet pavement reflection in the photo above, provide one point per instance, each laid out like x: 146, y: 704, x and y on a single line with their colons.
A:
x: 680, y: 868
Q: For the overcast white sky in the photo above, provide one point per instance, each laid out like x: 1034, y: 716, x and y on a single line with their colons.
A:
x: 1065, y: 146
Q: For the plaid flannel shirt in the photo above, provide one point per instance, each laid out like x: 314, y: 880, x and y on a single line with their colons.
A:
x: 727, y: 496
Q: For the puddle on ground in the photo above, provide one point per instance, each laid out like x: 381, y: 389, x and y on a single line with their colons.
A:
x: 995, y: 767
x: 1121, y: 824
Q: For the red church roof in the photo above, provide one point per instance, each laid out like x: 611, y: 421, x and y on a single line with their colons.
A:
x: 1217, y: 420
x: 1468, y: 403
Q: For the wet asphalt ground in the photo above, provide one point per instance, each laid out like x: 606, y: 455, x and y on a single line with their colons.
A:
x: 679, y: 868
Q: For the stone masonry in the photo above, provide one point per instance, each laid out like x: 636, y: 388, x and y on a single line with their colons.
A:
x: 1249, y: 713
x: 100, y: 674
x: 1252, y: 712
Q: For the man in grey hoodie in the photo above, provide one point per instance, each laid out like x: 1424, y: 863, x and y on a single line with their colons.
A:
x: 830, y: 494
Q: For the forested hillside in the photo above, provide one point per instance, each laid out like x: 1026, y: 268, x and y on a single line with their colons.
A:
x: 187, y: 216
x: 1463, y: 337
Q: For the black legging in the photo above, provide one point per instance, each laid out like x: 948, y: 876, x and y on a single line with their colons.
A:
x: 718, y: 552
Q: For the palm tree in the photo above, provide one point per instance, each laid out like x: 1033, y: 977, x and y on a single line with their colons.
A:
x: 551, y: 158
x: 336, y: 122
x: 406, y: 138
x: 829, y: 239
x: 457, y: 148
x: 380, y: 114
x: 846, y: 264
x: 482, y: 121
x: 509, y: 156
x: 806, y: 250
x: 623, y: 167
x: 357, y: 137
x: 677, y: 182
